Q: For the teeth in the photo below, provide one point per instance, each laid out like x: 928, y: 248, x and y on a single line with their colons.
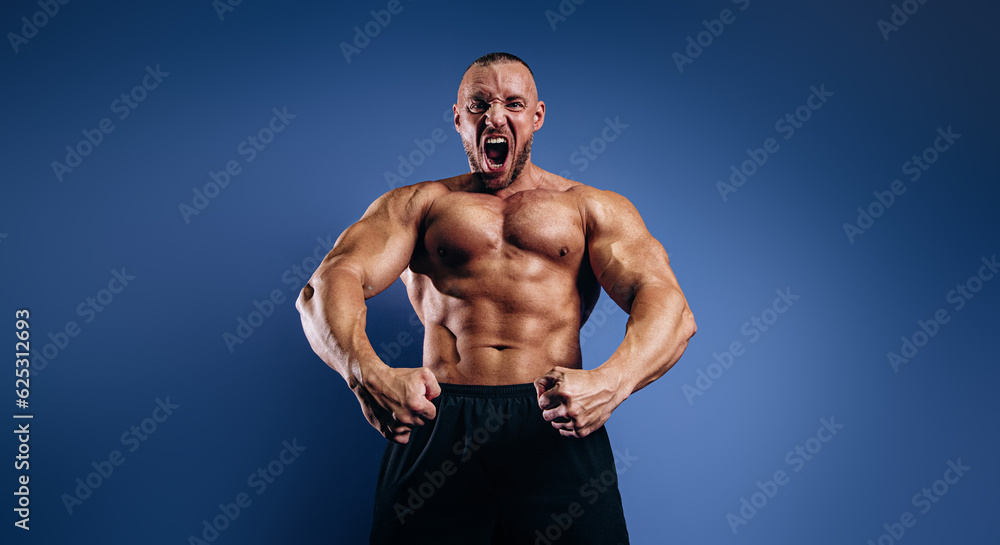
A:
x: 495, y: 140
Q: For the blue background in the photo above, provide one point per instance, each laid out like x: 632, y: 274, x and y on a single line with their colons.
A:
x: 685, y: 460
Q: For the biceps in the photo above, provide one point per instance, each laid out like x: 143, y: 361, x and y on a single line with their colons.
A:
x: 375, y: 254
x: 624, y: 266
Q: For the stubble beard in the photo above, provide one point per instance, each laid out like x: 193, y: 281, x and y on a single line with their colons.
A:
x: 492, y: 182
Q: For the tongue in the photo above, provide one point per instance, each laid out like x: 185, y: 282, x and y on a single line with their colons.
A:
x: 494, y: 152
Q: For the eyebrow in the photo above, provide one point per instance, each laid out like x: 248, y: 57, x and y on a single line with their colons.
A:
x: 482, y: 96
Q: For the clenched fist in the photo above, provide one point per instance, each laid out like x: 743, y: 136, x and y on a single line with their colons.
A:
x: 577, y: 401
x: 397, y: 400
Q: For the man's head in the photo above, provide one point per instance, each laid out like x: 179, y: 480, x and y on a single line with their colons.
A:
x: 497, y: 114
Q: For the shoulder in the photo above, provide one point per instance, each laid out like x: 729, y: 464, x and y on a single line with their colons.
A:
x: 410, y: 202
x: 602, y: 207
x: 419, y: 191
x: 586, y: 196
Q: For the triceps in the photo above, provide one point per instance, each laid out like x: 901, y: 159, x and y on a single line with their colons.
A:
x: 623, y: 292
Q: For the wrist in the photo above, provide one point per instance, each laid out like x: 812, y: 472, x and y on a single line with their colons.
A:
x: 617, y: 380
x: 366, y: 374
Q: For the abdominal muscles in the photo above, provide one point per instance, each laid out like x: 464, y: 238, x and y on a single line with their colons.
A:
x: 498, y: 287
x: 478, y: 340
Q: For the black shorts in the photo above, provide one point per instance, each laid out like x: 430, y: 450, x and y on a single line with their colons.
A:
x: 489, y: 470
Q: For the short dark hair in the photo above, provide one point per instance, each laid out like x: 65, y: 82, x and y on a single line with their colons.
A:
x: 498, y: 57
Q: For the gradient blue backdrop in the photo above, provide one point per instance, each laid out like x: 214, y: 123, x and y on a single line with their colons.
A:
x: 686, y: 461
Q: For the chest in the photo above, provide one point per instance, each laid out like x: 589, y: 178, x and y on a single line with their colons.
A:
x: 464, y: 226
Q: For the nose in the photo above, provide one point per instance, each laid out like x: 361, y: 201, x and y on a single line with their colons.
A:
x: 495, y: 116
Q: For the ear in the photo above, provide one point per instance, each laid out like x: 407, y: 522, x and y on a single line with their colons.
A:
x: 458, y: 118
x: 539, y: 115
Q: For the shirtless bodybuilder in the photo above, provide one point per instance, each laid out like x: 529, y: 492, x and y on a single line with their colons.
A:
x: 499, y: 437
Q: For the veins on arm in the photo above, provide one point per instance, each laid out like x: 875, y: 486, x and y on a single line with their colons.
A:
x: 623, y: 254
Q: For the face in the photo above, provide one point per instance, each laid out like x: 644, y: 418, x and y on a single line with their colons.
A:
x: 497, y: 114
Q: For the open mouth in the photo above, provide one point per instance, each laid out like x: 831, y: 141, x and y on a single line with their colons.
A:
x: 495, y: 152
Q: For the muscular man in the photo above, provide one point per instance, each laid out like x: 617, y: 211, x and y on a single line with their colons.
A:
x: 499, y: 437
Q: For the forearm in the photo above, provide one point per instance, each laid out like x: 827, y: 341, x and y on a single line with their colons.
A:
x: 333, y: 311
x: 656, y: 335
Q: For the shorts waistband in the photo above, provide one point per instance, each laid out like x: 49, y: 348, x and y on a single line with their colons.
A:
x: 478, y: 390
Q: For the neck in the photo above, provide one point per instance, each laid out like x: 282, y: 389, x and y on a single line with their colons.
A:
x: 529, y: 178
